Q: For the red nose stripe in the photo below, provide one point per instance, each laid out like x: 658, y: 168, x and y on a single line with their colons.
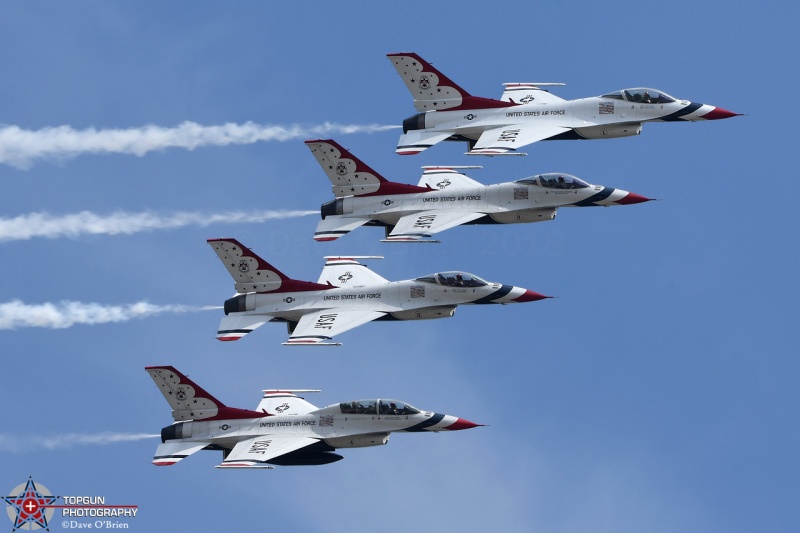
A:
x: 718, y: 113
x: 461, y: 423
x: 632, y: 198
x: 530, y: 296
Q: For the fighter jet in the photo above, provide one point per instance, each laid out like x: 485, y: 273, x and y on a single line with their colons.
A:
x: 443, y: 199
x: 527, y: 113
x: 284, y: 429
x: 347, y: 295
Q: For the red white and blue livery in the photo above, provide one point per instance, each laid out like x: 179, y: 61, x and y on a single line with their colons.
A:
x: 284, y: 429
x: 527, y: 113
x: 347, y: 295
x: 443, y: 198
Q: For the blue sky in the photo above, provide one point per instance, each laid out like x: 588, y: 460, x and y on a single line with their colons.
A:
x: 658, y: 392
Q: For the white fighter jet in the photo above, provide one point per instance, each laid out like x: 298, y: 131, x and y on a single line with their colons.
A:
x: 443, y: 199
x: 284, y: 429
x: 347, y: 295
x: 527, y: 113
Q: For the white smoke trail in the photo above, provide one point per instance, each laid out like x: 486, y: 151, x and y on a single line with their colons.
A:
x: 32, y: 225
x: 20, y: 443
x: 20, y: 148
x: 17, y: 314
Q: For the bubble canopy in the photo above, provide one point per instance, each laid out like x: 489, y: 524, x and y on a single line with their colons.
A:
x: 641, y: 95
x: 554, y: 180
x: 454, y: 279
x: 377, y: 407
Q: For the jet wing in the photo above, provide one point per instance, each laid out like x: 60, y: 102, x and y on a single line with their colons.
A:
x: 256, y: 451
x: 446, y: 178
x: 527, y: 93
x: 320, y: 327
x: 234, y: 327
x: 507, y: 139
x: 333, y: 227
x: 419, y: 226
x: 416, y: 141
x: 343, y: 271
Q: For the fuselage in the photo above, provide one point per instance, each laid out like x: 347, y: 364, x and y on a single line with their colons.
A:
x: 618, y: 114
x: 528, y: 200
x: 336, y: 424
x: 398, y: 298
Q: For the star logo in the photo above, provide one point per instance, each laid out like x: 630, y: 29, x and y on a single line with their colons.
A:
x: 288, y: 299
x: 341, y: 169
x: 470, y: 116
x: 347, y: 276
x: 282, y: 408
x: 224, y: 427
x: 444, y: 183
x: 29, y: 506
x: 387, y: 203
x: 243, y: 266
x: 424, y: 82
x: 528, y: 99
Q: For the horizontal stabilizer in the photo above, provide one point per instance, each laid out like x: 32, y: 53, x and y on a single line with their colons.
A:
x: 169, y: 453
x: 334, y: 226
x: 234, y: 327
x: 416, y: 141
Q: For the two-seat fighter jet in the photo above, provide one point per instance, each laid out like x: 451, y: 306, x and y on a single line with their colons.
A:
x: 284, y: 429
x: 347, y: 295
x: 527, y: 113
x: 443, y: 199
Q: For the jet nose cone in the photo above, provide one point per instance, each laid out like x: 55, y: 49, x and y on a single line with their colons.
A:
x: 530, y: 296
x: 719, y: 113
x: 462, y: 423
x: 632, y: 198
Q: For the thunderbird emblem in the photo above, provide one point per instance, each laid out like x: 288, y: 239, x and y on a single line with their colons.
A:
x: 243, y: 266
x: 341, y: 169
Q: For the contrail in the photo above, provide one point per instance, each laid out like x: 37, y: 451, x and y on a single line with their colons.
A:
x: 20, y: 443
x: 20, y: 148
x: 17, y: 314
x: 32, y: 225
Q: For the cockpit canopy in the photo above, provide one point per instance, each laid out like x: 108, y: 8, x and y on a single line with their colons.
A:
x: 641, y: 95
x: 454, y: 279
x: 554, y: 180
x: 375, y: 407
